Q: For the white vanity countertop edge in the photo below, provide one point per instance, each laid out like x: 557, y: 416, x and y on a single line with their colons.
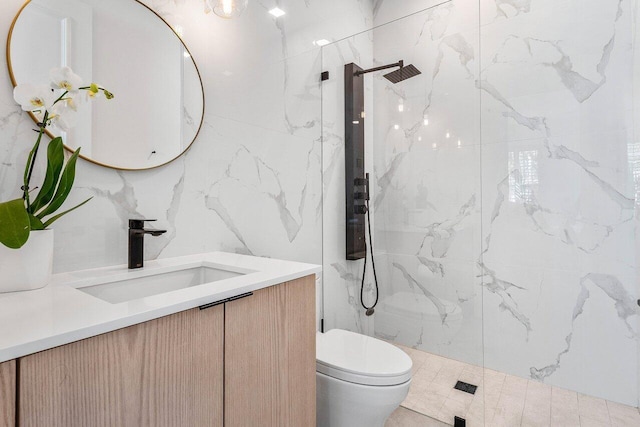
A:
x: 59, y: 314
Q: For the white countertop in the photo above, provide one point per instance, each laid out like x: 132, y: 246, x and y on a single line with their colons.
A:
x: 59, y: 314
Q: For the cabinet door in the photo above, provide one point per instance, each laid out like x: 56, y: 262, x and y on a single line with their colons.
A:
x: 270, y: 357
x: 8, y: 394
x: 166, y: 372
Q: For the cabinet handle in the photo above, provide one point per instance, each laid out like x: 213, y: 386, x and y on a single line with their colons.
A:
x: 237, y: 297
x: 212, y: 304
x: 224, y: 301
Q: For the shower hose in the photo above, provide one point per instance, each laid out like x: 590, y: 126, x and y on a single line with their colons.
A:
x: 369, y: 310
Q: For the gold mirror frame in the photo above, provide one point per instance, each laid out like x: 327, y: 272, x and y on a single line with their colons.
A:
x: 50, y: 135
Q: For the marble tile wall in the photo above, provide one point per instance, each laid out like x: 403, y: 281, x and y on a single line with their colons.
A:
x: 522, y: 221
x: 342, y: 278
x: 427, y: 168
x: 252, y: 181
x: 559, y: 178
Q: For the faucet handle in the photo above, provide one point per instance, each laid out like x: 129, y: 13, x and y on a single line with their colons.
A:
x: 139, y: 223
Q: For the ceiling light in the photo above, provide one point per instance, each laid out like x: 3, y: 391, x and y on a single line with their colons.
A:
x: 228, y: 8
x: 401, y: 107
x: 321, y: 42
x: 396, y: 127
x: 277, y: 12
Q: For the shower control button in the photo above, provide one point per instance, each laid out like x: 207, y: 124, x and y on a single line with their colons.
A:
x: 360, y: 209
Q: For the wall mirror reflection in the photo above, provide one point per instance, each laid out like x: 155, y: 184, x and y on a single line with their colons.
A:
x: 159, y: 99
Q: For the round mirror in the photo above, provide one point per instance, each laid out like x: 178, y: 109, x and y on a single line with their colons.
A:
x: 127, y: 48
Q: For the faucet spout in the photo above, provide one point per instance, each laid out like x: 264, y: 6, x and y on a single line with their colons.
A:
x: 136, y: 241
x: 144, y: 231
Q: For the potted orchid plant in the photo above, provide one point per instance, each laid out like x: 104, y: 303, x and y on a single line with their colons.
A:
x: 26, y: 242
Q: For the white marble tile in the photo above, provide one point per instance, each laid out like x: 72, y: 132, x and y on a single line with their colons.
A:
x: 506, y: 400
x: 425, y: 400
x: 551, y: 183
x: 452, y: 408
x: 537, y: 405
x: 564, y: 408
x: 403, y: 417
x: 263, y: 93
x: 593, y: 408
x: 591, y: 422
x: 508, y: 411
x: 622, y: 415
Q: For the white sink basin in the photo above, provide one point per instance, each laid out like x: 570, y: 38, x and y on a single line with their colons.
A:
x: 157, y: 283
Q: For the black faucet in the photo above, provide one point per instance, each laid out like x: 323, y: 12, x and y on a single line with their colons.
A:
x: 136, y: 241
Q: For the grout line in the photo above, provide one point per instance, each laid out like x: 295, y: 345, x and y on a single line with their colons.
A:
x: 609, y: 411
x: 551, y: 413
x: 524, y: 404
x: 495, y: 408
x: 550, y: 397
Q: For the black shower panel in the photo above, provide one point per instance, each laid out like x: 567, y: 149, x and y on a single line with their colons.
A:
x: 356, y: 184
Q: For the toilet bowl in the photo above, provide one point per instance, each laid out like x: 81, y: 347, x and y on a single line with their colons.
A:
x: 360, y: 380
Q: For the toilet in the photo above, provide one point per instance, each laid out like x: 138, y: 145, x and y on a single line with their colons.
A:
x: 360, y: 380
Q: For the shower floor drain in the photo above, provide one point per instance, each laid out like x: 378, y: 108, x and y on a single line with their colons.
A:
x: 466, y: 387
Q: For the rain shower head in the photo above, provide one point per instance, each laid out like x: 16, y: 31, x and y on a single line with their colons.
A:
x: 402, y: 74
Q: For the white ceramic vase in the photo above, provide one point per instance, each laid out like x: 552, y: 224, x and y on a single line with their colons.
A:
x: 29, y: 267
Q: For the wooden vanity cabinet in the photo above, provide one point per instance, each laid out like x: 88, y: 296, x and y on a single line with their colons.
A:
x: 165, y: 372
x: 270, y: 357
x: 248, y: 362
x: 7, y: 393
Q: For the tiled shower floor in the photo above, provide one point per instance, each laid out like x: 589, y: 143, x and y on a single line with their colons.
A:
x: 510, y: 401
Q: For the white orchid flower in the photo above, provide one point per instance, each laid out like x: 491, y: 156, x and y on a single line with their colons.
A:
x: 64, y: 78
x: 34, y: 98
x: 72, y: 101
x: 62, y: 117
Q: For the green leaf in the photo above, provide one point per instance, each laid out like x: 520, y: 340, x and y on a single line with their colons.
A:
x: 64, y: 186
x: 14, y: 224
x: 35, y: 223
x: 55, y: 160
x: 55, y: 218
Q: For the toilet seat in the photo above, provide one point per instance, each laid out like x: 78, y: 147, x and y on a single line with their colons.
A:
x: 361, y: 359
